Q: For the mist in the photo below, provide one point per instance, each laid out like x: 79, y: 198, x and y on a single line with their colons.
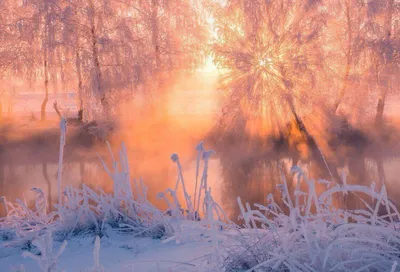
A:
x: 267, y: 85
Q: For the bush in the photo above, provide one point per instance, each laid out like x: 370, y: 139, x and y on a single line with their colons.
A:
x: 314, y: 235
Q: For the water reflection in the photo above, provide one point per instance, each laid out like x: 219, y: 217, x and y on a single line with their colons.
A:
x: 235, y: 174
x: 244, y: 166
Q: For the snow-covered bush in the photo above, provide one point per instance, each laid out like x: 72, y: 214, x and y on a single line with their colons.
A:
x: 125, y: 208
x: 22, y: 223
x: 46, y: 259
x: 203, y: 217
x: 82, y: 210
x: 96, y: 258
x: 315, y: 235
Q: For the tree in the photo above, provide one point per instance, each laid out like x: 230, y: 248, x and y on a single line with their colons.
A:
x: 103, y: 48
x: 384, y: 44
x: 347, y: 32
x: 31, y: 48
x: 272, y: 53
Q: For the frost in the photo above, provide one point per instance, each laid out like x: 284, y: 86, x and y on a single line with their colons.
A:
x: 312, y: 235
x: 47, y: 260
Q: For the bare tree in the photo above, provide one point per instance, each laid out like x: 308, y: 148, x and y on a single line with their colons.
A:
x: 100, y: 47
x: 348, y: 18
x: 385, y: 50
x: 272, y: 54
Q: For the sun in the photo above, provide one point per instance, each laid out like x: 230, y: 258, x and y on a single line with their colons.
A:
x: 268, y: 65
x: 265, y: 63
x: 209, y: 66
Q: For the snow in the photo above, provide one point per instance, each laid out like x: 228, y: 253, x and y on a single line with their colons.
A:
x: 118, y: 253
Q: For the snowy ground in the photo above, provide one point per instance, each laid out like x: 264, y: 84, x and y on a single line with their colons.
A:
x: 117, y: 253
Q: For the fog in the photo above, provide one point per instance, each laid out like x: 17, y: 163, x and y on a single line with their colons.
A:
x: 152, y: 131
x: 266, y: 84
x: 245, y: 166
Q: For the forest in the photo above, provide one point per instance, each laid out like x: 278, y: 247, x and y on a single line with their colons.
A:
x: 298, y: 101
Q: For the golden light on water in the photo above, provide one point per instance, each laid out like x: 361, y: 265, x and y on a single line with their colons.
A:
x: 259, y: 66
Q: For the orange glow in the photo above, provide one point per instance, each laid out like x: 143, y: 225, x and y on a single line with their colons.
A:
x: 281, y: 78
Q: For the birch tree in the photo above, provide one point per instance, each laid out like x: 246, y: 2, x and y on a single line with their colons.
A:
x: 384, y: 44
x: 103, y: 48
x: 272, y: 53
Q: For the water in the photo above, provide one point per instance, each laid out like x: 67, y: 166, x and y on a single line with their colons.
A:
x: 18, y: 180
x: 193, y: 114
x: 29, y: 155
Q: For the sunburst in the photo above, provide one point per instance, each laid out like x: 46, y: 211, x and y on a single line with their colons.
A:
x: 272, y: 63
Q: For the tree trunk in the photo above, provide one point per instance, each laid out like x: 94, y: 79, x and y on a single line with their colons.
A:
x: 155, y: 33
x: 317, y: 154
x: 78, y: 67
x: 169, y: 36
x: 388, y: 20
x: 80, y: 90
x: 46, y: 89
x: 96, y: 62
x: 62, y: 73
x: 383, y: 91
x: 387, y: 80
x: 45, y: 63
x: 348, y: 59
x: 344, y: 88
x: 10, y: 103
x: 57, y: 110
x: 380, y: 109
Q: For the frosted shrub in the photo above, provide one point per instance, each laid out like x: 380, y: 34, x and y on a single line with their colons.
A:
x: 314, y: 235
x: 78, y: 211
x: 126, y: 208
x: 63, y: 135
x: 192, y: 210
x: 96, y: 257
x: 25, y: 223
x: 184, y: 221
x: 47, y: 260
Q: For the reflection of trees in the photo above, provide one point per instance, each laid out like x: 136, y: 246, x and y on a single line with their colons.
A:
x: 48, y: 181
x: 249, y: 179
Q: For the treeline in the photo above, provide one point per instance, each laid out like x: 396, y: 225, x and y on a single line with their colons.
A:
x: 98, y: 47
x: 285, y: 59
